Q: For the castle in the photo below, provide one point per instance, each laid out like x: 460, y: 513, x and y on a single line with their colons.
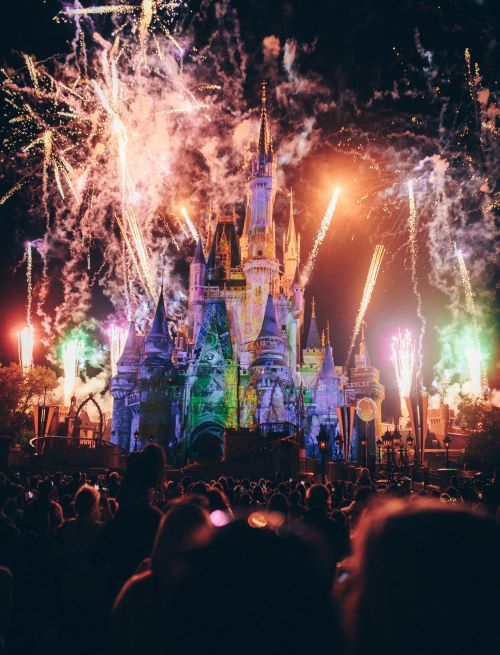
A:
x: 237, y: 363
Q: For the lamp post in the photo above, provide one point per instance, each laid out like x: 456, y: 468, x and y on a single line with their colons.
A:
x: 340, y: 444
x: 379, y: 443
x: 447, y: 444
x: 136, y: 436
x: 323, y: 445
x: 363, y: 444
x: 387, y: 438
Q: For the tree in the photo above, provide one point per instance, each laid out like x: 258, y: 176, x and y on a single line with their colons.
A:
x: 19, y: 390
x: 483, y: 420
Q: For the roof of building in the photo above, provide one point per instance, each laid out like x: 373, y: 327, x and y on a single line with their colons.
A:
x: 313, y: 338
x: 269, y: 324
x: 199, y: 256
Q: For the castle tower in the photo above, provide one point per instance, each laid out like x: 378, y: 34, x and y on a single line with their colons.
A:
x: 327, y: 386
x: 270, y: 370
x: 156, y: 375
x: 291, y: 249
x: 258, y: 240
x: 197, y: 281
x: 364, y: 381
x: 122, y: 386
x: 313, y: 352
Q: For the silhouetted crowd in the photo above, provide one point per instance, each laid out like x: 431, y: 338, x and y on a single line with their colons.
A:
x: 133, y: 563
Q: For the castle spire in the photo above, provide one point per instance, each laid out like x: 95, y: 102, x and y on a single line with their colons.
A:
x: 313, y: 339
x: 291, y: 236
x: 199, y: 256
x: 264, y: 138
x: 159, y: 325
x: 269, y: 324
x: 363, y: 360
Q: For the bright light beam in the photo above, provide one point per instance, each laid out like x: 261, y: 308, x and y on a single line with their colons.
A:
x: 189, y: 223
x: 403, y: 359
x: 71, y: 354
x: 323, y: 229
x: 371, y: 279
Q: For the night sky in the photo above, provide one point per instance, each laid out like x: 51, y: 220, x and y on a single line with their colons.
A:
x: 356, y: 48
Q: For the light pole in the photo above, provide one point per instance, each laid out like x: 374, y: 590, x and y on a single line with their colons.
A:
x: 388, y: 441
x: 447, y: 444
x: 379, y: 443
x: 323, y: 445
x: 136, y: 436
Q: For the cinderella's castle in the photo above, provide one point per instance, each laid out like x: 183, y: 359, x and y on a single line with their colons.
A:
x: 237, y: 363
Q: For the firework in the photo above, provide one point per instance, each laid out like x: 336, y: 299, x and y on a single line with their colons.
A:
x: 403, y: 359
x: 189, y: 223
x: 323, y: 229
x: 26, y: 341
x: 26, y: 336
x: 412, y: 235
x: 117, y: 336
x: 473, y: 356
x: 473, y: 351
x: 371, y: 279
x: 71, y: 359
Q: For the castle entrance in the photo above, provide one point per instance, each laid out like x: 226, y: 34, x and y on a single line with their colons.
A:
x: 206, y: 442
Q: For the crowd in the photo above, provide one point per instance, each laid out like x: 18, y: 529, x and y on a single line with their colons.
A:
x: 134, y: 563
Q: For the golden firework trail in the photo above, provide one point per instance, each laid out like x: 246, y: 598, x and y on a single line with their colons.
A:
x: 323, y: 229
x: 26, y: 336
x: 117, y: 336
x: 412, y: 235
x: 371, y: 280
x: 403, y: 359
x: 189, y: 223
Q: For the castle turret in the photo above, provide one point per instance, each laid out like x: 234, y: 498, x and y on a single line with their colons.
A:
x: 197, y: 281
x: 271, y: 370
x: 158, y: 344
x: 122, y: 386
x: 291, y: 249
x: 258, y: 241
x: 365, y: 382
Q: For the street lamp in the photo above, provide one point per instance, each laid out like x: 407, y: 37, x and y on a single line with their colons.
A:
x: 323, y: 446
x: 379, y: 443
x: 447, y: 444
x: 388, y: 441
x: 136, y: 436
x: 340, y: 444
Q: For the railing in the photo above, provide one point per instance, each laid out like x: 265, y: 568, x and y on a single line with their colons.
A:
x: 50, y: 443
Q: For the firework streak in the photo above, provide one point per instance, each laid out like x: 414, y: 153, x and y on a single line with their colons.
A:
x: 323, y: 229
x: 412, y: 235
x: 26, y: 336
x: 371, y: 280
x: 117, y: 338
x: 403, y: 359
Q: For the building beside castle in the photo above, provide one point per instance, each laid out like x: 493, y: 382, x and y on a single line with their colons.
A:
x: 237, y: 361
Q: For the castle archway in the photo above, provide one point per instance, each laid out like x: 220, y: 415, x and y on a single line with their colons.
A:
x: 206, y: 442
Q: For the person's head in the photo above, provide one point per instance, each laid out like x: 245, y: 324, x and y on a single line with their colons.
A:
x: 241, y: 589
x: 217, y: 500
x: 177, y: 533
x: 278, y: 503
x: 45, y: 490
x: 435, y: 563
x: 318, y: 498
x: 199, y: 488
x: 87, y: 502
x: 4, y: 496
